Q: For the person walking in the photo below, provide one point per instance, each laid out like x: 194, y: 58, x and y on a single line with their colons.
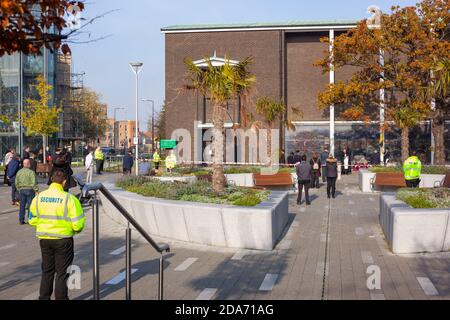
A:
x: 62, y: 162
x: 304, y: 179
x: 57, y: 217
x: 290, y: 159
x: 156, y: 159
x: 332, y: 173
x: 33, y: 162
x: 323, y: 161
x: 127, y: 163
x: 8, y: 157
x: 99, y: 159
x: 412, y: 168
x: 346, y: 162
x: 13, y: 168
x: 27, y: 186
x: 315, y: 170
x: 297, y: 157
x: 89, y: 165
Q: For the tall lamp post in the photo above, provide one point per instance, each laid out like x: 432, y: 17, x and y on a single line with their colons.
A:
x: 153, y: 122
x: 137, y: 68
x: 114, y: 127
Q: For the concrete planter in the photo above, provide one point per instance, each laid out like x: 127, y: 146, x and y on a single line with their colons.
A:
x: 427, y: 180
x: 256, y: 227
x: 179, y: 179
x: 409, y: 230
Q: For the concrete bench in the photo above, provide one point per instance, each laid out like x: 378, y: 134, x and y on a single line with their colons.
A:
x: 445, y: 183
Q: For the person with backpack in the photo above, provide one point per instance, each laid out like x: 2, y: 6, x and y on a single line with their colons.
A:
x: 332, y: 173
x: 13, y: 168
x: 316, y: 165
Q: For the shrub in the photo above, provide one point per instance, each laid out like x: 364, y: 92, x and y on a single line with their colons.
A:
x: 425, y: 198
x: 425, y: 169
x: 200, y: 191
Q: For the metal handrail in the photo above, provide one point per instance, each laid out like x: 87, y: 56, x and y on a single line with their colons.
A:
x: 161, y: 248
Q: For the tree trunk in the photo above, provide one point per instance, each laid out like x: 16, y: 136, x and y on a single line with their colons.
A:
x: 44, y: 149
x: 438, y: 129
x: 405, y: 144
x: 218, y: 177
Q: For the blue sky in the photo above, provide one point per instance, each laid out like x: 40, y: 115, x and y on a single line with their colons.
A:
x: 134, y: 35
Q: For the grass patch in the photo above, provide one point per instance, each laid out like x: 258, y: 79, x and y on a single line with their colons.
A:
x: 438, y: 198
x: 200, y: 191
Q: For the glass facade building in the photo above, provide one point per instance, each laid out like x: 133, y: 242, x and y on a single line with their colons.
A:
x: 18, y: 74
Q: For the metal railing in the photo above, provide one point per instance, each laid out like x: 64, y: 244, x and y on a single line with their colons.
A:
x: 160, y: 248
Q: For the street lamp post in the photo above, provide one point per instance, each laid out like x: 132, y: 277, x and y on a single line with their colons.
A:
x: 153, y: 123
x: 137, y: 67
x: 114, y: 127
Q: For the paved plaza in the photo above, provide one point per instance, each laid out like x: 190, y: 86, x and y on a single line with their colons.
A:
x: 326, y: 253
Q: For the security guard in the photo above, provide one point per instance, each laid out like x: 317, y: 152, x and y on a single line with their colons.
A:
x: 171, y: 161
x: 411, y: 169
x: 99, y: 159
x: 156, y: 159
x: 57, y: 217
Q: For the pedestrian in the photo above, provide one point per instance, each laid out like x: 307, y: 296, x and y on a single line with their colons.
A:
x: 332, y: 173
x: 8, y: 157
x: 33, y: 162
x: 315, y: 170
x: 99, y: 159
x: 412, y: 168
x: 387, y: 156
x: 57, y: 217
x: 128, y: 162
x: 156, y: 159
x: 171, y: 161
x: 303, y: 170
x: 26, y: 153
x: 323, y: 161
x: 89, y: 165
x: 13, y: 168
x: 290, y: 159
x: 27, y: 185
x: 346, y: 162
x: 62, y: 162
x: 297, y: 157
x: 86, y: 151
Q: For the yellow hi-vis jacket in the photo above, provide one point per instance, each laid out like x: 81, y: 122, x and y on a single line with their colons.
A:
x: 56, y: 214
x: 156, y: 157
x: 412, y: 168
x: 98, y: 155
x: 171, y: 161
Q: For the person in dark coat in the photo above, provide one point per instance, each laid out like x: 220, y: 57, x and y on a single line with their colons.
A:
x: 304, y: 179
x: 33, y: 162
x: 26, y: 153
x: 62, y: 161
x: 297, y: 157
x: 13, y: 168
x: 127, y: 163
x: 332, y: 173
x: 323, y: 161
x: 316, y: 165
x: 346, y: 162
x: 290, y: 159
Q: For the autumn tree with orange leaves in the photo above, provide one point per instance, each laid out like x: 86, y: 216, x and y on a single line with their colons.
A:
x: 27, y: 26
x: 413, y: 40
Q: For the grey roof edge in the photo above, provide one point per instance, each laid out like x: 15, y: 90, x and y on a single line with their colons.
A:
x: 286, y: 24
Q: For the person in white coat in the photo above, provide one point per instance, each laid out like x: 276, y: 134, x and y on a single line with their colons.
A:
x: 89, y: 163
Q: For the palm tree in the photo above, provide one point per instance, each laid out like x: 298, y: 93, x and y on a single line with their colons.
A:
x: 439, y: 92
x: 220, y: 84
x: 272, y: 111
x: 405, y: 118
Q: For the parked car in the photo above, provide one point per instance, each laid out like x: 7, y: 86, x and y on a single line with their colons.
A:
x: 108, y: 151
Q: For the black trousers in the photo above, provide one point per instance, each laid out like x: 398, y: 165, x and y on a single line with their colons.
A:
x: 57, y: 257
x: 99, y: 166
x: 315, y: 179
x: 301, y: 184
x: 324, y: 173
x: 412, y: 183
x: 331, y: 186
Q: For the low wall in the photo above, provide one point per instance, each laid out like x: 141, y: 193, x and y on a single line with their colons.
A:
x: 257, y: 227
x: 409, y: 230
x: 427, y: 180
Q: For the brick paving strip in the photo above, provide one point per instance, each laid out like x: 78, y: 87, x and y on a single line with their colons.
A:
x: 207, y: 294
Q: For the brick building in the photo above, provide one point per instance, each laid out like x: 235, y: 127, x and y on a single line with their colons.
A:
x: 283, y: 63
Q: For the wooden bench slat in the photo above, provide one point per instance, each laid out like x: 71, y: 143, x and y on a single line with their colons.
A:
x: 278, y: 179
x: 392, y: 179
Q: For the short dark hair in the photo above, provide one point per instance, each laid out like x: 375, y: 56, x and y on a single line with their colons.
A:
x: 59, y: 176
x: 304, y: 157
